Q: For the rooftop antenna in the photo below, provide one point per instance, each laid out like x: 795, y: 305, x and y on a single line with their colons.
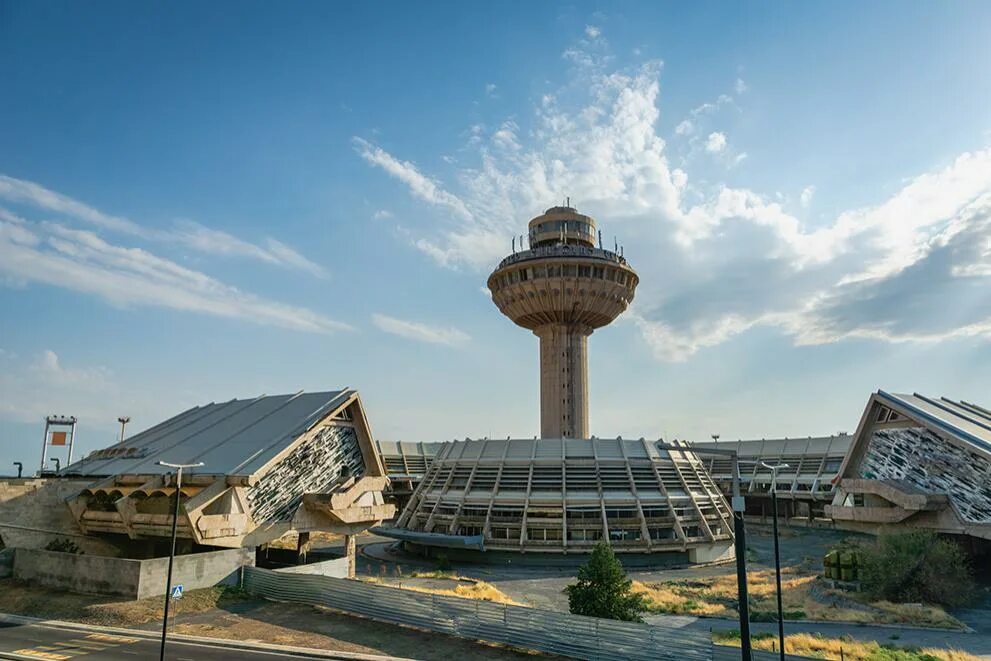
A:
x: 600, y: 239
x: 514, y: 245
x: 567, y: 202
x: 615, y: 243
x: 621, y: 251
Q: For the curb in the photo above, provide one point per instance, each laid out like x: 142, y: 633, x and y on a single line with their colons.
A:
x: 303, y: 652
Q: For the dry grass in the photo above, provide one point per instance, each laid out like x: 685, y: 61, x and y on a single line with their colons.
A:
x: 467, y: 588
x: 291, y: 540
x: 717, y: 596
x: 24, y: 599
x: 804, y: 644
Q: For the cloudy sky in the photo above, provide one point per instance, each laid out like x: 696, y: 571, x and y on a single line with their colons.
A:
x: 206, y: 202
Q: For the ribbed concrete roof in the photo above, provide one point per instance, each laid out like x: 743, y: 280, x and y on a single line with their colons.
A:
x: 966, y: 421
x: 234, y: 438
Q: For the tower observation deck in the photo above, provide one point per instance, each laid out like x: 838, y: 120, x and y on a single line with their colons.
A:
x: 562, y: 288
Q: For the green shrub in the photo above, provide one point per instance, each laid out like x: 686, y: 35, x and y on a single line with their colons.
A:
x: 603, y: 589
x: 917, y: 566
x: 63, y: 546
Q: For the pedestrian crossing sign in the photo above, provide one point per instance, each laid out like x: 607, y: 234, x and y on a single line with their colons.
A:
x: 176, y: 592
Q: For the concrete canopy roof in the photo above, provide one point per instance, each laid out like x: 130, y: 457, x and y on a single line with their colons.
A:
x: 964, y: 421
x: 235, y: 438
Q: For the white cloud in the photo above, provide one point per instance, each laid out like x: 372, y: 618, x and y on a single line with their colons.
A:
x: 420, y: 332
x: 41, y: 385
x: 419, y: 185
x: 684, y: 127
x: 53, y: 254
x: 806, y: 197
x: 735, y: 259
x: 592, y: 32
x: 740, y: 86
x: 715, y: 143
x: 490, y: 89
x: 186, y: 233
x: 382, y: 214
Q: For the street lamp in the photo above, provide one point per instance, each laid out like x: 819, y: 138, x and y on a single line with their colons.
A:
x: 777, y: 555
x: 175, y: 521
x: 123, y: 420
x: 740, y: 544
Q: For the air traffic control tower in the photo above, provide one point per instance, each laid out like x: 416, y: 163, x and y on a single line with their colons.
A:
x: 562, y: 288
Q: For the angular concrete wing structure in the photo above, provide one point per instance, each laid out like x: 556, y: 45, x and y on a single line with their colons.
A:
x: 261, y: 459
x: 917, y: 462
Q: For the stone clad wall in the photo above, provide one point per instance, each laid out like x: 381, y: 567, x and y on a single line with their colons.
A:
x: 131, y: 579
x: 90, y: 574
x: 338, y: 568
x: 194, y: 571
x: 30, y: 507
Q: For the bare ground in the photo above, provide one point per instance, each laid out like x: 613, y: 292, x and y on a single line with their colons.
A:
x: 223, y: 613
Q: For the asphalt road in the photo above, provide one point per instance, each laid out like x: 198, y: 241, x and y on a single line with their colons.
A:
x: 30, y: 642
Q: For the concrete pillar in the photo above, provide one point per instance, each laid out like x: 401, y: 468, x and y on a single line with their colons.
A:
x: 349, y: 547
x: 563, y: 380
x: 302, y: 546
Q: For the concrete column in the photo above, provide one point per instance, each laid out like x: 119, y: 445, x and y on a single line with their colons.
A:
x: 563, y: 380
x: 349, y: 547
x: 302, y: 547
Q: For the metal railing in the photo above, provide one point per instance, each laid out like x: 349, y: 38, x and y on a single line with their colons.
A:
x: 561, y: 251
x: 546, y: 631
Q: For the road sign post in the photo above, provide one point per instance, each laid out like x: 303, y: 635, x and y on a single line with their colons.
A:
x: 175, y: 595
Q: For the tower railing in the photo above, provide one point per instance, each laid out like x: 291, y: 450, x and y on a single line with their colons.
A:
x: 562, y: 250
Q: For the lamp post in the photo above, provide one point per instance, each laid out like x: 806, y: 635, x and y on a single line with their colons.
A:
x: 777, y: 555
x: 740, y: 546
x: 175, y: 521
x: 123, y: 420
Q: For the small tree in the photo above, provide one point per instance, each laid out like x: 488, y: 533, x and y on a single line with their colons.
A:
x: 603, y: 590
x: 917, y: 566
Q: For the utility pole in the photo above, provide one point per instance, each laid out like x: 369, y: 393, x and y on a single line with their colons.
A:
x: 777, y: 554
x: 175, y: 521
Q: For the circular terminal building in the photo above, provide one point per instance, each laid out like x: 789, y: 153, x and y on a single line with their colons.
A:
x: 564, y: 495
x: 566, y: 491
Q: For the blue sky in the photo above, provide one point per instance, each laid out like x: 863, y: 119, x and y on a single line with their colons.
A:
x: 206, y: 202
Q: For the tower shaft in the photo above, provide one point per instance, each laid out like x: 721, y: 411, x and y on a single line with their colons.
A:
x: 563, y: 380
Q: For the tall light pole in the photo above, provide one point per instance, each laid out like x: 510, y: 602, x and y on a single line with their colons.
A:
x: 740, y: 546
x: 175, y: 521
x: 777, y: 555
x: 123, y: 420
